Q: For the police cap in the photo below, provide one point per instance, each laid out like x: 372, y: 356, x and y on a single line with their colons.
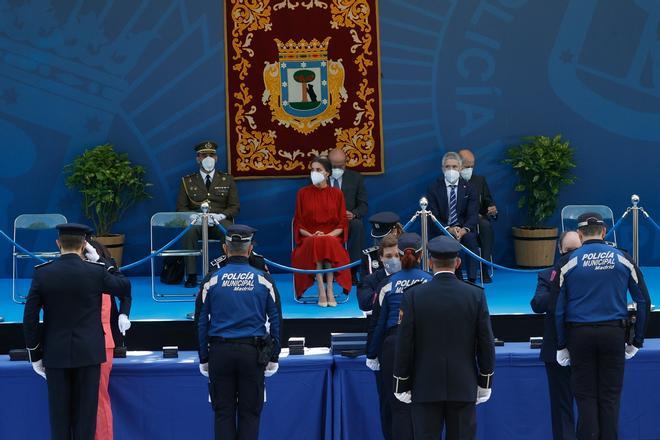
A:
x: 590, y: 218
x: 236, y: 233
x: 382, y: 223
x: 73, y: 229
x: 206, y: 147
x: 410, y: 240
x: 444, y: 247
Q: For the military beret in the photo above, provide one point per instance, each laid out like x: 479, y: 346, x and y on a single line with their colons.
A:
x: 444, y: 247
x: 410, y: 240
x: 73, y: 229
x: 240, y: 233
x: 382, y: 223
x: 206, y: 147
x: 590, y: 218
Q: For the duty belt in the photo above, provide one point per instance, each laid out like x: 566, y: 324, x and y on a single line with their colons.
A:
x: 613, y: 323
x: 254, y: 340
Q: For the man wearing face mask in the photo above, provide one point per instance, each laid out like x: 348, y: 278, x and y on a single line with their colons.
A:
x: 559, y: 378
x: 351, y: 184
x: 487, y: 208
x: 454, y: 203
x: 206, y: 185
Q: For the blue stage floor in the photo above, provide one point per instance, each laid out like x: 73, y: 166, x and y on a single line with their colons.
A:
x: 509, y: 294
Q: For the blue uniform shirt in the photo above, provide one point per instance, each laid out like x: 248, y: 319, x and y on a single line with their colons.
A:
x: 238, y: 301
x: 593, y: 282
x: 389, y: 298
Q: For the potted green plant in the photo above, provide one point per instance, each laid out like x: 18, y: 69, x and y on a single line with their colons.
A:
x: 542, y: 165
x: 109, y: 184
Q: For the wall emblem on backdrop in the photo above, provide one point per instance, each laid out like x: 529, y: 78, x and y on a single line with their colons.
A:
x: 590, y: 81
x: 302, y: 77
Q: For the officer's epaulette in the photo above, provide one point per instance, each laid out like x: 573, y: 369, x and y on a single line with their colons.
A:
x: 472, y: 284
x: 43, y: 264
x: 191, y: 175
x: 367, y: 251
x: 95, y: 262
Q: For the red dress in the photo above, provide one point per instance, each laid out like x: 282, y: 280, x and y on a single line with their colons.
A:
x: 320, y: 209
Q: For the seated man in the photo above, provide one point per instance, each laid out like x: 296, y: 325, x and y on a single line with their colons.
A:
x: 206, y: 185
x: 351, y: 184
x: 487, y: 208
x: 454, y: 203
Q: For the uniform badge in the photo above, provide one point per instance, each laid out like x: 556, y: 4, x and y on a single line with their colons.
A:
x: 374, y: 264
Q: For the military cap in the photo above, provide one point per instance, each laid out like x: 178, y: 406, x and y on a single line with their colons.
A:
x: 590, y: 218
x: 444, y: 247
x: 237, y: 233
x: 410, y: 240
x: 206, y: 147
x: 72, y: 229
x: 382, y: 223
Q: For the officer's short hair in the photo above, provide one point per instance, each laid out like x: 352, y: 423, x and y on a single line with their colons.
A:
x: 390, y: 240
x: 590, y: 230
x: 444, y: 262
x: 452, y: 155
x: 238, y: 247
x: 71, y: 242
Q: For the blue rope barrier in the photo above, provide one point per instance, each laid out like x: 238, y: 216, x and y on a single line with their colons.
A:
x: 616, y: 225
x: 473, y: 255
x: 154, y: 253
x: 312, y: 271
x: 410, y: 222
x: 648, y: 217
x: 21, y: 248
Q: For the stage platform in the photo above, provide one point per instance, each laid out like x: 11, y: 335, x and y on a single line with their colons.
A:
x: 508, y: 299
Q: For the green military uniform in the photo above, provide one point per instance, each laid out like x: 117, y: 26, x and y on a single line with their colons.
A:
x: 222, y: 196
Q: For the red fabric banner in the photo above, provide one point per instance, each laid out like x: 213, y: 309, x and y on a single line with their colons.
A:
x: 303, y: 77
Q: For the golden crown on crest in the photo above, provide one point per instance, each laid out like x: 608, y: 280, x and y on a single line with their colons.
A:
x: 312, y: 50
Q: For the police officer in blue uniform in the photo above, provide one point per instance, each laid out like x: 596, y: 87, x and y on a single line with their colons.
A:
x: 380, y: 352
x: 591, y: 318
x: 239, y: 338
x: 445, y: 353
x: 372, y: 271
x: 559, y: 378
x: 71, y: 342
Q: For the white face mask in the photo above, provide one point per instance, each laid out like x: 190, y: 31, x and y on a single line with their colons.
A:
x: 208, y: 163
x: 392, y: 265
x: 316, y: 177
x: 452, y: 176
x: 466, y: 173
x: 337, y: 173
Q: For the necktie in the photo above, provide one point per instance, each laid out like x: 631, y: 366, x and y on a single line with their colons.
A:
x: 335, y: 183
x: 208, y: 182
x: 453, y: 214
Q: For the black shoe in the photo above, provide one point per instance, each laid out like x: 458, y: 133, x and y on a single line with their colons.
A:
x: 487, y: 279
x: 191, y: 281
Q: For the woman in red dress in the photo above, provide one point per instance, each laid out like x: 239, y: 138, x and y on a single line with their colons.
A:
x: 320, y: 228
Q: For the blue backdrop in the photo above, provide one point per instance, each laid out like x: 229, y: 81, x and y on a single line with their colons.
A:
x: 148, y: 76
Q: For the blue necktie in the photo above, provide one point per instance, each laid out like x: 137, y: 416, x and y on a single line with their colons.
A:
x: 335, y: 183
x: 453, y: 214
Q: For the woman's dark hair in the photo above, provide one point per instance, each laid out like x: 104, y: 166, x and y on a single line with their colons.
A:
x: 324, y: 161
x: 410, y: 259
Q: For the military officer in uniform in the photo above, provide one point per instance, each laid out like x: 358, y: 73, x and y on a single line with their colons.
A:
x: 372, y: 271
x: 69, y: 350
x: 445, y: 353
x: 239, y: 338
x: 214, y: 187
x: 591, y: 317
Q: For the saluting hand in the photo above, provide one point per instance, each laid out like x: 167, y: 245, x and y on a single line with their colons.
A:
x: 90, y: 253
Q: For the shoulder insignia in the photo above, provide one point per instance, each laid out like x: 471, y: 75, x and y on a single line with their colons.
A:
x: 189, y: 176
x: 43, y: 264
x: 367, y: 251
x: 217, y: 263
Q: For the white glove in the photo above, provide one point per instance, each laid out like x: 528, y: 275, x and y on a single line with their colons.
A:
x: 373, y: 364
x: 39, y: 368
x: 483, y: 394
x: 217, y: 218
x: 195, y: 219
x: 271, y: 369
x: 631, y: 351
x: 90, y: 253
x: 563, y: 357
x: 123, y: 323
x: 204, y: 369
x: 405, y: 397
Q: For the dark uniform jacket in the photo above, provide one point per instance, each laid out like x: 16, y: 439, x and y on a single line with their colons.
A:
x: 466, y: 204
x: 355, y: 193
x: 482, y: 192
x: 222, y: 195
x: 445, y: 342
x: 544, y: 301
x: 69, y: 290
x: 366, y: 289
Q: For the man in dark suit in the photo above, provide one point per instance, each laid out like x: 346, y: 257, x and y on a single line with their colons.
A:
x: 206, y: 185
x: 355, y: 195
x: 487, y: 208
x: 454, y: 203
x: 69, y: 290
x: 559, y: 378
x: 445, y: 353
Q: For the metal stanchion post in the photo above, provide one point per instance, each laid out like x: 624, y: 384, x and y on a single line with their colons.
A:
x: 205, y: 238
x: 635, y: 227
x: 423, y: 204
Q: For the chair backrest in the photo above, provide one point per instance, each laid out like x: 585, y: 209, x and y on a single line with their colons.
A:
x: 179, y: 219
x: 38, y: 222
x: 570, y: 214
